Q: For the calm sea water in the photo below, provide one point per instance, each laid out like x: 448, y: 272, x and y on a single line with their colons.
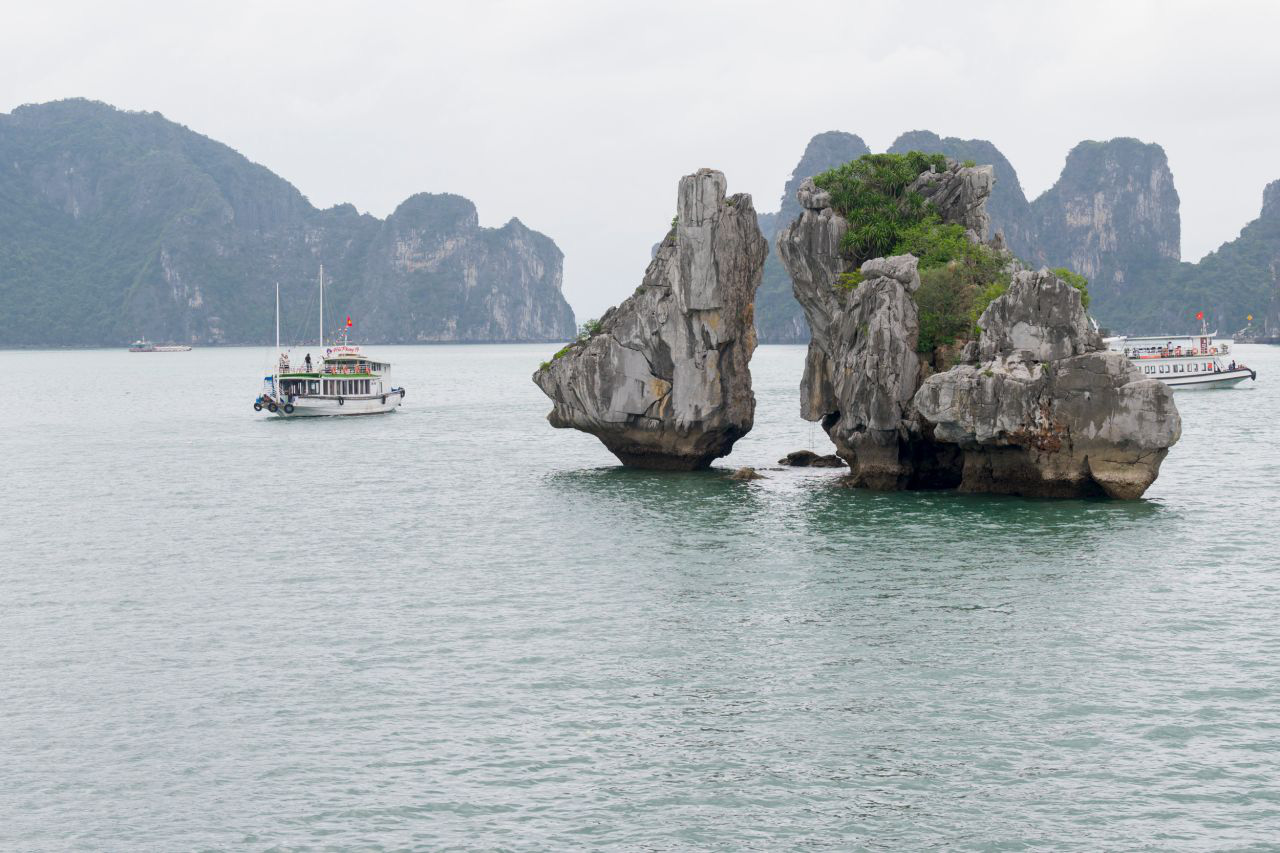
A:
x: 454, y: 627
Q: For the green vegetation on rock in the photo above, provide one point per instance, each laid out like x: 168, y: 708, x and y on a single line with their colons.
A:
x: 958, y: 278
x: 872, y: 194
x: 1077, y: 281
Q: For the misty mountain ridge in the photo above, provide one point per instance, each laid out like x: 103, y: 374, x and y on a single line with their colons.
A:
x: 116, y: 225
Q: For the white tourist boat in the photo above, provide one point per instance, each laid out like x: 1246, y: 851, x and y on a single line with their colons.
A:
x: 1187, y: 361
x: 344, y: 381
x: 141, y: 345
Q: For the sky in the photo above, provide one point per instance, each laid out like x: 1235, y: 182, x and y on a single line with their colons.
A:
x: 580, y: 117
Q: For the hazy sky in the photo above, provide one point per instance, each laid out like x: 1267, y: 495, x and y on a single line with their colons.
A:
x: 580, y: 117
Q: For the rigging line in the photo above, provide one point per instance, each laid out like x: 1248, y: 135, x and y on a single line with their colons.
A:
x: 304, y: 320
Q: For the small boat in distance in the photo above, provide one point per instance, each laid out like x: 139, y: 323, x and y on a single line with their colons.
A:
x: 141, y: 345
x: 1185, y: 361
x: 345, y: 380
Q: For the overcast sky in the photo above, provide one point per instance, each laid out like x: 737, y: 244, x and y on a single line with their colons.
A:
x: 580, y: 117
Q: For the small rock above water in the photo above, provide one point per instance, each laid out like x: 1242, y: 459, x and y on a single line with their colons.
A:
x: 747, y: 473
x: 664, y: 382
x: 809, y: 459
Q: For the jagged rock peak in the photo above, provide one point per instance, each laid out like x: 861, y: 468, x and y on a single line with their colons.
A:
x: 1042, y: 316
x: 1048, y: 412
x: 664, y: 381
x: 959, y: 194
x: 1271, y: 199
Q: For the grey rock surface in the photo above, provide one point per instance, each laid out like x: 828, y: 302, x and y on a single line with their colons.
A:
x: 664, y: 383
x: 1048, y: 412
x: 959, y: 194
x: 862, y: 369
x: 809, y: 459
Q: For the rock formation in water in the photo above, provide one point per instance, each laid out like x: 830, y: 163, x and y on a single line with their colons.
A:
x: 663, y: 381
x: 862, y: 370
x: 1046, y: 411
x: 809, y: 459
x: 1038, y: 411
x: 118, y: 225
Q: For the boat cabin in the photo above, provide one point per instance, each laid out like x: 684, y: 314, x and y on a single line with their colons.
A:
x: 344, y: 371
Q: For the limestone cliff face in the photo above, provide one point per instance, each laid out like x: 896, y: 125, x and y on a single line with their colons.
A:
x: 862, y: 370
x: 1036, y: 409
x: 1046, y: 411
x: 435, y: 275
x: 664, y: 382
x: 1113, y: 211
x: 118, y: 225
x: 779, y: 319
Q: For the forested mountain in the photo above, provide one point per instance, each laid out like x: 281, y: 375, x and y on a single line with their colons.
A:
x: 116, y: 225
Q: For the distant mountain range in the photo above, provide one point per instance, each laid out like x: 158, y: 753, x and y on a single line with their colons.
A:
x: 1112, y: 216
x: 118, y: 225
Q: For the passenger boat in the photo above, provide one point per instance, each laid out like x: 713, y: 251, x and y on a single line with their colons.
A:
x: 146, y: 346
x: 344, y: 381
x: 1187, y: 361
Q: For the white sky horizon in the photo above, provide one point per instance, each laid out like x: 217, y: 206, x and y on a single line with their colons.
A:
x: 579, y: 118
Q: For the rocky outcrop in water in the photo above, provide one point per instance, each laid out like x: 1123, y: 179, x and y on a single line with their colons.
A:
x: 1037, y: 410
x: 809, y: 459
x: 862, y: 370
x: 664, y: 382
x: 1046, y: 411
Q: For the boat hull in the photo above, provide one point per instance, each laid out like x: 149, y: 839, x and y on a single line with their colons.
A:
x: 323, y: 407
x: 1208, y: 381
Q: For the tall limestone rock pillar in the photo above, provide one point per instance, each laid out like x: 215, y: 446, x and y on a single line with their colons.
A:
x: 862, y: 370
x: 663, y: 381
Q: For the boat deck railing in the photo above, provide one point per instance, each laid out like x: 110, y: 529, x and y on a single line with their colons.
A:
x: 1176, y: 352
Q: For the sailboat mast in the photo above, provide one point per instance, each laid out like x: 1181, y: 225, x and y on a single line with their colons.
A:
x: 277, y: 318
x: 322, y: 307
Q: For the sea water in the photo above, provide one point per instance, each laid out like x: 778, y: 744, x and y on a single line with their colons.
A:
x: 456, y: 627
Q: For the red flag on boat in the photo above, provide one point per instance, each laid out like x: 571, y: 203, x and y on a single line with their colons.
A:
x: 348, y: 321
x: 1199, y: 316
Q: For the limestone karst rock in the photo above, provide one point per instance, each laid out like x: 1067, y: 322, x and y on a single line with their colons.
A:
x: 1047, y: 412
x: 663, y: 381
x: 862, y: 370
